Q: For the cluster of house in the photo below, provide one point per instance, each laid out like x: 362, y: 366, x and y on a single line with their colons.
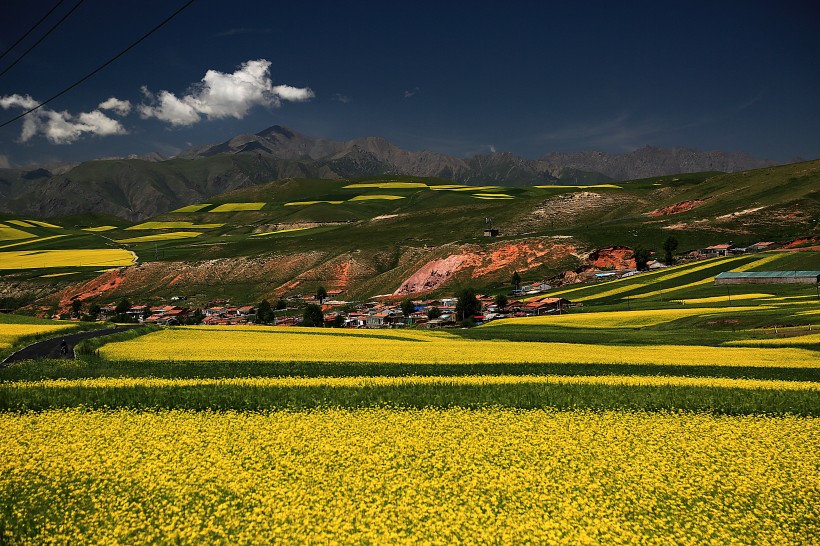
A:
x: 725, y: 249
x: 374, y: 314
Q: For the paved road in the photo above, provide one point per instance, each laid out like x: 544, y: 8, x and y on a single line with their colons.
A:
x: 50, y: 348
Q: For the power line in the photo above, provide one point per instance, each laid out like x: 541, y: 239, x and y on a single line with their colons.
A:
x: 29, y: 31
x: 102, y: 66
x: 43, y: 37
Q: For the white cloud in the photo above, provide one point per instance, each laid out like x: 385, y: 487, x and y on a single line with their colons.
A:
x: 410, y: 93
x: 220, y: 95
x: 344, y: 99
x: 295, y: 94
x: 61, y: 127
x: 4, y: 162
x: 121, y: 107
x: 19, y: 101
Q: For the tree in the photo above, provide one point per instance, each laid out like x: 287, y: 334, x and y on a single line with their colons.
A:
x: 121, y: 310
x: 122, y: 307
x: 313, y: 316
x: 670, y: 245
x: 516, y: 281
x: 641, y: 256
x: 94, y: 311
x: 433, y: 313
x: 321, y: 294
x: 467, y: 305
x: 76, y: 307
x: 407, y: 307
x: 264, y: 314
x: 281, y: 304
x: 338, y: 320
x: 501, y: 301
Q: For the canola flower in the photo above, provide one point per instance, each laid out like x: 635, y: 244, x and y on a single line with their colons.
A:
x: 404, y: 381
x: 192, y: 343
x: 808, y: 339
x: 709, y: 280
x: 63, y: 274
x: 172, y: 225
x: 400, y: 477
x: 616, y: 319
x: 97, y: 229
x: 305, y: 203
x: 376, y: 198
x: 162, y: 237
x: 718, y: 299
x: 21, y: 223
x: 563, y: 187
x: 65, y: 258
x: 237, y: 207
x: 37, y: 240
x: 10, y: 333
x: 387, y: 185
x: 193, y: 208
x: 8, y: 233
x: 265, y: 234
x: 44, y: 224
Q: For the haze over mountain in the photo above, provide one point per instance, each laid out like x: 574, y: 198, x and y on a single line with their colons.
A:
x: 139, y: 188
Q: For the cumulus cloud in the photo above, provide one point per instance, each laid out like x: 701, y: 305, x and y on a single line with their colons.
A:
x: 220, y: 95
x: 344, y: 99
x: 411, y: 92
x: 4, y: 162
x: 121, y: 107
x: 63, y: 127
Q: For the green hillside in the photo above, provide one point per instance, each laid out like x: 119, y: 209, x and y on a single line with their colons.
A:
x: 368, y: 235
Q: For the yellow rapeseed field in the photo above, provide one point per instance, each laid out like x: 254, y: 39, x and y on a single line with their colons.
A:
x: 265, y: 234
x: 65, y: 258
x: 305, y: 203
x: 617, y: 319
x: 376, y: 197
x: 173, y: 225
x: 807, y: 339
x: 99, y: 228
x: 387, y: 185
x: 162, y: 237
x: 10, y: 333
x: 193, y: 208
x: 8, y: 233
x: 405, y: 381
x: 237, y: 207
x: 381, y: 476
x: 192, y: 343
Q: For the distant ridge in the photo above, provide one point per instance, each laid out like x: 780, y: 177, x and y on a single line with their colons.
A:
x: 138, y: 188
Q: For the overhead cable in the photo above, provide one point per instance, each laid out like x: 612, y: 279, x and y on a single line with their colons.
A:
x: 29, y: 31
x: 101, y: 67
x: 43, y: 37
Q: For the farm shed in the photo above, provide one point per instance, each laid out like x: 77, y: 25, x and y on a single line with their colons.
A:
x: 767, y: 277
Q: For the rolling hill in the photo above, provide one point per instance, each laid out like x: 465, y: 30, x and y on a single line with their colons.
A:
x: 396, y: 234
x: 136, y: 189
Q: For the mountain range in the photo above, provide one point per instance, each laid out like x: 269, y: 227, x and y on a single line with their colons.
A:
x: 136, y: 189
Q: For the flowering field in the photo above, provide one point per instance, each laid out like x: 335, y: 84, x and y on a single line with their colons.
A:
x: 258, y: 343
x: 436, y: 476
x: 236, y: 207
x: 65, y: 258
x: 10, y: 333
x: 252, y: 434
x: 162, y: 237
x: 172, y: 225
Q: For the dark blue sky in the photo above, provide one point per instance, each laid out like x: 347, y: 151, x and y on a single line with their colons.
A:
x: 460, y: 78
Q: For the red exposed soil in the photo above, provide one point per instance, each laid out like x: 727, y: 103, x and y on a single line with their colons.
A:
x: 614, y: 257
x: 803, y: 241
x: 98, y: 286
x: 677, y: 208
x: 485, y: 261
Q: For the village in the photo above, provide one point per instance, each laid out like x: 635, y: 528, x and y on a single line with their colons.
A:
x: 383, y: 311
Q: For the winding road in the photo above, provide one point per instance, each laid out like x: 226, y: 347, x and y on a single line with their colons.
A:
x: 50, y: 348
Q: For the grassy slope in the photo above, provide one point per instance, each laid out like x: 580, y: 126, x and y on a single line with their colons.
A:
x: 436, y: 218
